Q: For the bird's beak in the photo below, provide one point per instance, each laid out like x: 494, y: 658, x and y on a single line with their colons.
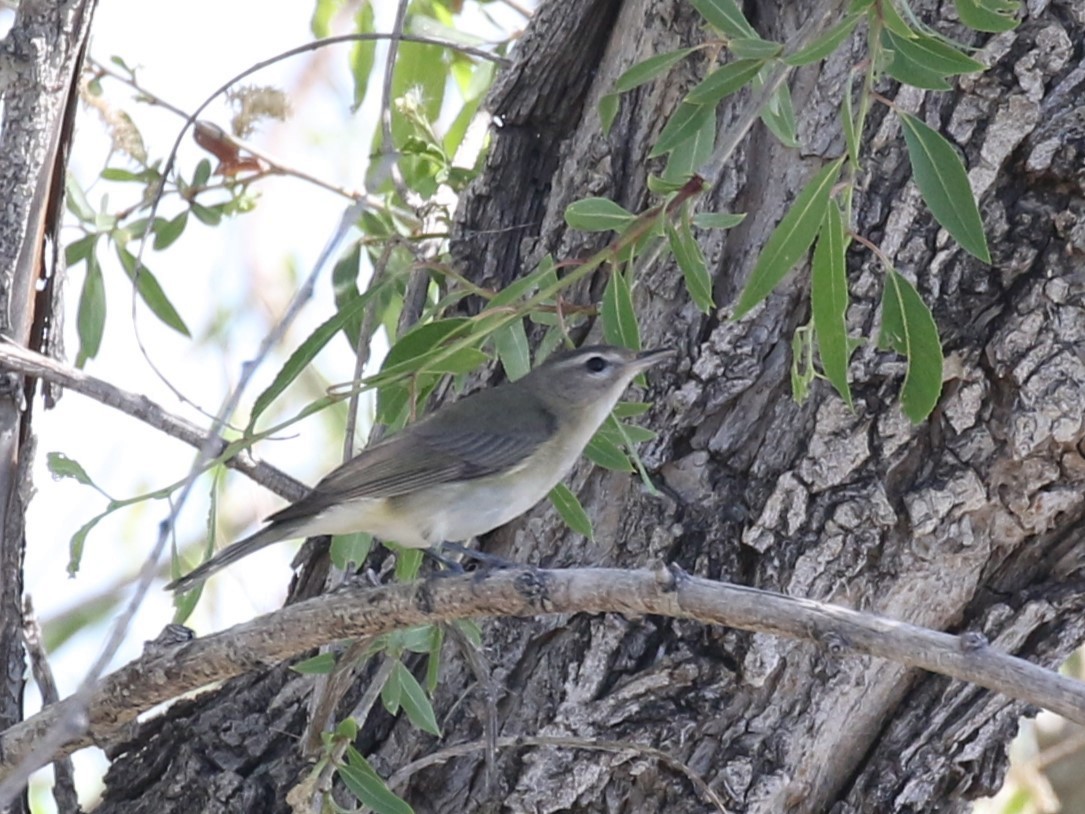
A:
x: 646, y: 358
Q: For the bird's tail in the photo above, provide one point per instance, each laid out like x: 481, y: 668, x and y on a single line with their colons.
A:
x: 231, y: 554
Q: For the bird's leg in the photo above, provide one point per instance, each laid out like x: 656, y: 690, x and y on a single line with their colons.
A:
x: 440, y: 561
x: 491, y: 560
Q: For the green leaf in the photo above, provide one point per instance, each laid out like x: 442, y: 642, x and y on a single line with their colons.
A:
x: 597, y: 215
x: 433, y: 663
x: 207, y: 215
x: 167, y: 231
x: 802, y: 364
x: 77, y: 201
x: 688, y: 157
x: 994, y: 16
x: 608, y: 111
x: 305, y: 353
x: 825, y: 44
x: 779, y: 117
x: 724, y: 81
x: 320, y: 664
x: 522, y: 287
x: 510, y: 342
x: 725, y: 16
x: 718, y: 220
x: 415, y: 702
x: 619, y: 317
x: 416, y: 348
x: 349, y: 550
x: 691, y: 261
x: 90, y: 317
x: 683, y: 124
x: 631, y: 409
x: 755, y: 48
x: 568, y: 506
x: 790, y: 239
x: 79, y: 250
x: 606, y: 453
x: 61, y: 466
x: 649, y: 69
x: 850, y: 127
x: 931, y: 54
x: 202, y: 174
x: 908, y: 328
x: 943, y: 183
x: 78, y: 542
x: 151, y: 292
x: 368, y: 787
x: 829, y: 300
x: 362, y: 54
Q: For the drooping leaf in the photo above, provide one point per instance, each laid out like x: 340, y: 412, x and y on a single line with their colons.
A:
x: 603, y: 451
x: 779, y: 117
x: 943, y: 183
x: 608, y: 111
x: 61, y: 466
x: 690, y: 259
x: 755, y: 48
x: 597, y: 215
x: 724, y: 81
x: 414, y: 701
x: 513, y: 349
x: 167, y: 231
x: 304, y: 354
x: 725, y: 16
x: 687, y: 158
x: 994, y: 16
x: 826, y: 43
x: 151, y: 292
x: 619, y: 317
x: 683, y: 125
x: 362, y: 54
x: 90, y: 317
x: 829, y: 300
x: 909, y: 328
x: 78, y: 542
x: 718, y: 220
x: 790, y: 239
x: 350, y: 549
x: 649, y: 69
x: 368, y: 787
x: 320, y: 664
x: 568, y: 506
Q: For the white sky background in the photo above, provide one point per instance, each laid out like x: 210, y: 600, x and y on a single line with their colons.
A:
x: 241, y: 267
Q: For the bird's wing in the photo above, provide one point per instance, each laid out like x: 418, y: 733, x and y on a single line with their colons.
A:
x: 471, y: 439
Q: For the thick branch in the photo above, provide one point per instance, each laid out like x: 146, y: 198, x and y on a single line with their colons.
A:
x: 360, y: 610
x: 21, y: 360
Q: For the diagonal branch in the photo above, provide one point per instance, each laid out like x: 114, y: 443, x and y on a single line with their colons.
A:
x: 19, y: 359
x: 360, y: 610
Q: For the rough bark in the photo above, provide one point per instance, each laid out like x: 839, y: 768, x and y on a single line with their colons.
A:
x: 39, y: 60
x: 969, y: 521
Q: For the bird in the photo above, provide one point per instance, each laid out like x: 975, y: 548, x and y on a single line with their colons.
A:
x: 466, y: 468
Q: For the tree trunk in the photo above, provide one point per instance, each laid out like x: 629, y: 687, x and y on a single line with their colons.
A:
x: 967, y: 522
x: 40, y: 61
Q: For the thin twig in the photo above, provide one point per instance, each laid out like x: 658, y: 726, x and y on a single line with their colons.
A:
x: 64, y: 793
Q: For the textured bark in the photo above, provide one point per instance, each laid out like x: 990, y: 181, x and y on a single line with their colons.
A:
x: 39, y: 59
x: 969, y: 521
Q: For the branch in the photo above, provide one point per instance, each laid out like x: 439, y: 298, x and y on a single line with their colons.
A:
x: 19, y: 359
x: 358, y: 610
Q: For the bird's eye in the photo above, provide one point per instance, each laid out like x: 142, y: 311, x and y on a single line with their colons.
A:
x: 596, y: 364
